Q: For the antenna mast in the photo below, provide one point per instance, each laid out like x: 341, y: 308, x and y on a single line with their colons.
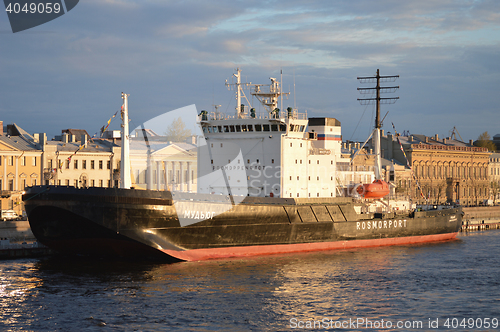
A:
x: 377, y: 101
x: 125, y: 162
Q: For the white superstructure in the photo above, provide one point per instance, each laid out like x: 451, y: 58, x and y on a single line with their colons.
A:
x: 281, y: 153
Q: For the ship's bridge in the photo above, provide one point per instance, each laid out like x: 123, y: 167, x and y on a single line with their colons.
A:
x: 294, y: 125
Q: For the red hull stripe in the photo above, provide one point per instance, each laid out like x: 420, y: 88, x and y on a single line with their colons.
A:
x: 215, y: 253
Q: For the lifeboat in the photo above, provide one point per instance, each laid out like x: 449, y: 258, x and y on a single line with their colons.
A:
x: 376, y: 189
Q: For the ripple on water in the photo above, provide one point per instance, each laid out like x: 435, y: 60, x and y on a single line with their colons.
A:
x: 457, y: 278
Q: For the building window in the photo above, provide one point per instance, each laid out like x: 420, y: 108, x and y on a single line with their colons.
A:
x: 11, y: 184
x: 109, y: 183
x: 67, y: 165
x: 101, y: 183
x: 23, y: 161
x: 33, y: 161
x: 108, y: 164
x: 76, y: 183
x: 100, y: 165
x: 84, y: 164
x: 92, y: 165
x: 67, y: 182
x: 10, y: 160
x: 76, y: 166
x: 92, y: 183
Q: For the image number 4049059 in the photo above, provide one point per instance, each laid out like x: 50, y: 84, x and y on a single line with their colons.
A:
x: 26, y: 14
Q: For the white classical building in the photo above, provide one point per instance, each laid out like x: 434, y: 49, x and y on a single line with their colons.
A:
x: 494, y: 176
x: 163, y: 165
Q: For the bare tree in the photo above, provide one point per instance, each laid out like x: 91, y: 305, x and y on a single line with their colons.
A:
x: 494, y: 190
x: 177, y: 131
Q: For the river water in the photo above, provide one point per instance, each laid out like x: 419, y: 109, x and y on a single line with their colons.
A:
x: 451, y: 285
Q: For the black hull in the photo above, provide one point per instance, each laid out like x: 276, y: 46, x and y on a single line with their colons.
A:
x: 145, y: 224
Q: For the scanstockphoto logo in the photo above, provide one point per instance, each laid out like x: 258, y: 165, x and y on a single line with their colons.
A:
x: 25, y: 15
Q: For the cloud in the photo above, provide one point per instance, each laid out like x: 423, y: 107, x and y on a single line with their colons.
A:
x: 172, y: 54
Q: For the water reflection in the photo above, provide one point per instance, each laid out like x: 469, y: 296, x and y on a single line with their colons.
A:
x: 260, y: 293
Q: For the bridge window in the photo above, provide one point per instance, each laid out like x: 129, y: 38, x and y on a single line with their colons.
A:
x: 231, y: 127
x: 274, y: 127
x: 238, y: 128
x: 265, y: 127
x: 258, y: 127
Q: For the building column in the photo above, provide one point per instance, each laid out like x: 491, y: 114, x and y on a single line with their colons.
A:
x: 158, y: 175
x: 4, y: 182
x: 181, y: 178
x: 165, y: 174
x: 188, y: 178
x: 16, y: 173
x: 173, y: 177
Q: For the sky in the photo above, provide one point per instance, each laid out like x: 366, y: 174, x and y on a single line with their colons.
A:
x: 70, y: 72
